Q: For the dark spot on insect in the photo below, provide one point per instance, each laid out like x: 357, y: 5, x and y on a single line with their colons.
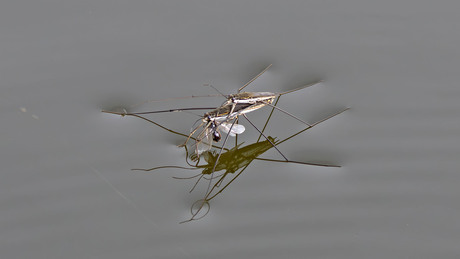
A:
x: 216, y: 136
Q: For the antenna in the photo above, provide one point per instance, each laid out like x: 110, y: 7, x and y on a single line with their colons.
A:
x: 217, y: 90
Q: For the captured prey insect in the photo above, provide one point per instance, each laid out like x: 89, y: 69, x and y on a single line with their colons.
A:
x: 237, y: 158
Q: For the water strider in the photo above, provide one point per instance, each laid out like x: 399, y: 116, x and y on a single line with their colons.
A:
x: 223, y: 119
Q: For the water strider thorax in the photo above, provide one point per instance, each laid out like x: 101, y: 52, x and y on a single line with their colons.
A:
x: 240, y: 103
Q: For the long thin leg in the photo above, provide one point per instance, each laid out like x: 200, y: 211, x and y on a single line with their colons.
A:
x: 273, y: 144
x: 202, y: 136
x: 269, y: 117
x: 191, y: 134
x: 165, y: 166
x: 296, y: 162
x: 314, y: 124
x: 194, y: 214
x: 220, y: 151
x: 162, y: 111
x: 252, y: 80
x: 288, y: 113
x: 217, y: 90
x: 159, y: 125
x: 141, y: 117
x: 175, y: 98
x: 277, y: 100
x: 300, y: 88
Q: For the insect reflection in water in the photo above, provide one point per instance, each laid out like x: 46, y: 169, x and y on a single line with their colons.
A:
x: 237, y: 158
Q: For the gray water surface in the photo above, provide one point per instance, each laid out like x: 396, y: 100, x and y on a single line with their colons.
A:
x: 66, y: 188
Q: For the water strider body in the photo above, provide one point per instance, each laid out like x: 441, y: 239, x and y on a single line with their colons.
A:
x: 217, y: 120
x: 242, y: 103
x: 236, y: 105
